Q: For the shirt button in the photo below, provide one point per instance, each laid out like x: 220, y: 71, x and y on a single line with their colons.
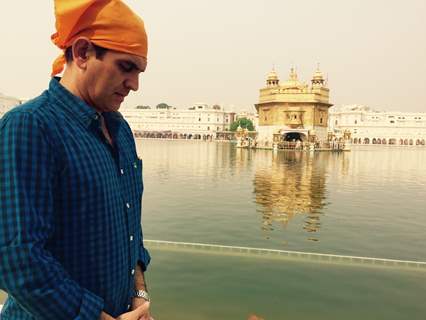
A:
x: 122, y: 171
x: 128, y: 307
x: 131, y: 238
x: 128, y: 205
x: 133, y: 271
x: 135, y: 165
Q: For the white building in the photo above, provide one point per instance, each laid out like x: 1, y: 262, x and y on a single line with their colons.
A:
x: 7, y: 103
x: 200, y: 119
x: 367, y: 126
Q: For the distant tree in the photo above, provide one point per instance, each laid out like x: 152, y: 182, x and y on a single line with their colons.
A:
x: 216, y: 107
x: 143, y: 107
x: 243, y: 123
x: 163, y: 106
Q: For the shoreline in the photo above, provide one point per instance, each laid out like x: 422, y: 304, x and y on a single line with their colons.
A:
x: 235, y: 142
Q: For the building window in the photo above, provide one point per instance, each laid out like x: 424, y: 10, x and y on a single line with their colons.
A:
x: 335, y: 122
x: 320, y: 120
x: 392, y: 121
x: 199, y: 119
x: 356, y: 121
x: 208, y: 128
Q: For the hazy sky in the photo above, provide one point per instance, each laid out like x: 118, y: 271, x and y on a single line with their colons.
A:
x: 373, y: 51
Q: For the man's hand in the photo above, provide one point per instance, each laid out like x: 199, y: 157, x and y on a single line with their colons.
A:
x: 142, y: 303
x: 139, y: 313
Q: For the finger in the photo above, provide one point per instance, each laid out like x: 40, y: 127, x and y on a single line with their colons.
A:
x: 142, y: 310
x: 146, y: 317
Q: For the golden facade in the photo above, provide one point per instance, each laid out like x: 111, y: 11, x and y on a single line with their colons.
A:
x: 293, y: 109
x: 288, y: 184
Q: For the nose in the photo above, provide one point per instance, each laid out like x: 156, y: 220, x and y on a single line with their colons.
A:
x: 132, y: 82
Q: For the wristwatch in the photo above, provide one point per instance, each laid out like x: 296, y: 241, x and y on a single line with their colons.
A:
x: 141, y: 294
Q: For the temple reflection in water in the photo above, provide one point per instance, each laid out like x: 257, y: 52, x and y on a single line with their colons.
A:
x: 290, y: 183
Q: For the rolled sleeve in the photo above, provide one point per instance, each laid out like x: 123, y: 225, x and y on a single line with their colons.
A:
x: 28, y: 272
x: 144, y: 257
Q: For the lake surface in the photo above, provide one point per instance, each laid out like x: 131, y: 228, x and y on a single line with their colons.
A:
x: 369, y: 202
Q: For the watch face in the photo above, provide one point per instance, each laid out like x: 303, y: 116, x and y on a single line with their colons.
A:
x: 142, y: 294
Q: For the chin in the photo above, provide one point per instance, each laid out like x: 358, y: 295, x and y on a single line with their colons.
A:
x: 116, y: 107
x: 112, y: 107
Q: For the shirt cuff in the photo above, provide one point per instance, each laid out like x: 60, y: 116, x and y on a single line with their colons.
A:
x: 144, y: 258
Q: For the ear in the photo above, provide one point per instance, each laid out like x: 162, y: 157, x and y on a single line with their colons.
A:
x: 82, y: 49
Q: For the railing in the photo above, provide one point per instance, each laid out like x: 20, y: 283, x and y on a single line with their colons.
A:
x: 273, y: 253
x: 298, y: 145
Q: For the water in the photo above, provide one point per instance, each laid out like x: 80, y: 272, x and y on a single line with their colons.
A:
x: 369, y: 202
x: 194, y: 286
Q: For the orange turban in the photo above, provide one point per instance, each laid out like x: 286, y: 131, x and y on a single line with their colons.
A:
x: 107, y: 23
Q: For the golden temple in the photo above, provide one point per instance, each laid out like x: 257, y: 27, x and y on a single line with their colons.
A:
x: 292, y: 110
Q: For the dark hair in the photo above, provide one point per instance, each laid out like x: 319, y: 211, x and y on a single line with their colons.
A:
x: 99, y: 52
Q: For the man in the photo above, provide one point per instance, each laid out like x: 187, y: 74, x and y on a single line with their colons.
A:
x: 71, y: 243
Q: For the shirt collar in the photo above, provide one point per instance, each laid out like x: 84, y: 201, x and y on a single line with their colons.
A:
x: 76, y: 106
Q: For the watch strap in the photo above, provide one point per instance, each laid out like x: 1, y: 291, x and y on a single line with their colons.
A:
x: 141, y: 294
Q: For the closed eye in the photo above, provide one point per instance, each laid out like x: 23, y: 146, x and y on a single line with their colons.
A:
x: 126, y: 66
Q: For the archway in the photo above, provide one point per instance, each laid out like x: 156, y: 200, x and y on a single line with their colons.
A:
x: 294, y: 136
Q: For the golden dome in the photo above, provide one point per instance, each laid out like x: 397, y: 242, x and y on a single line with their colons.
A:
x: 318, y: 75
x: 293, y: 75
x: 272, y: 75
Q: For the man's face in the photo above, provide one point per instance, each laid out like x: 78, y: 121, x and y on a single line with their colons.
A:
x: 108, y: 81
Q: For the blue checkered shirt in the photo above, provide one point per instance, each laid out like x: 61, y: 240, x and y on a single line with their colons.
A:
x: 70, y: 210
